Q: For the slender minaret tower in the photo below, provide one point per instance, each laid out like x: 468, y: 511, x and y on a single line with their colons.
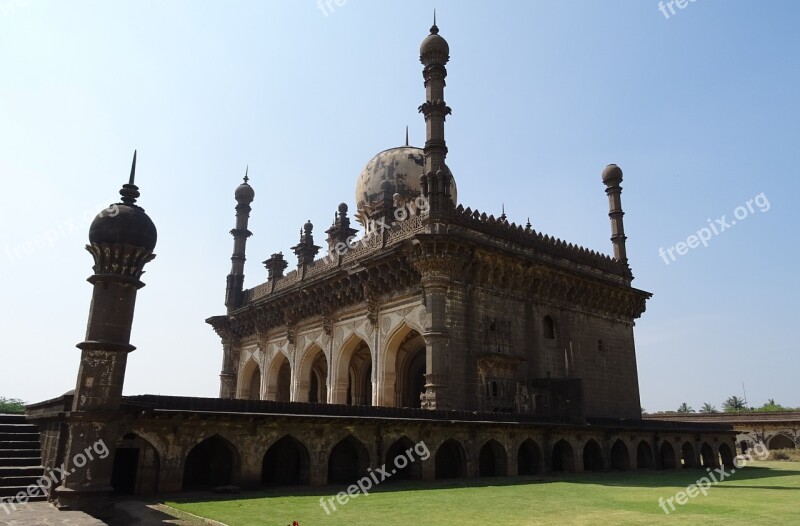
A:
x: 244, y: 195
x: 434, y: 53
x: 121, y: 241
x: 612, y: 177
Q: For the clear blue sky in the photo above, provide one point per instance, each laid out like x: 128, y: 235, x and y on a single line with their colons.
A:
x: 699, y: 109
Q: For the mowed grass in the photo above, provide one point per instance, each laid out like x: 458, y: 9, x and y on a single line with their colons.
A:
x: 760, y: 493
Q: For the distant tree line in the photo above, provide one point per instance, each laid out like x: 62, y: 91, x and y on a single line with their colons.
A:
x: 11, y: 405
x: 732, y: 404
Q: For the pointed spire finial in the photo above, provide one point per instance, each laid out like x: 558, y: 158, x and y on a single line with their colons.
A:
x: 130, y: 191
x: 434, y: 28
x: 246, y: 170
x: 133, y: 168
x: 503, y: 215
x: 406, y: 134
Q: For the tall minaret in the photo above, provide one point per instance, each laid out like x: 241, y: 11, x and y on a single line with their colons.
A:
x: 434, y: 53
x: 612, y: 177
x: 244, y: 195
x: 121, y: 241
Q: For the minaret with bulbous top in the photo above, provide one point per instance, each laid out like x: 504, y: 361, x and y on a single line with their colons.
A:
x: 434, y: 53
x: 121, y: 241
x: 612, y: 177
x: 244, y: 195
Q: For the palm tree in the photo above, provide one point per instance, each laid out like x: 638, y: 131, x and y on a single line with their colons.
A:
x: 734, y: 404
x: 684, y: 408
x: 708, y: 408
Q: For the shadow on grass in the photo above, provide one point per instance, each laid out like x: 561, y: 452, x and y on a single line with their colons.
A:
x: 632, y: 479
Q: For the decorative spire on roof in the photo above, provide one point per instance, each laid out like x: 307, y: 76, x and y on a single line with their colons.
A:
x: 130, y: 191
x: 246, y: 170
x: 406, y: 134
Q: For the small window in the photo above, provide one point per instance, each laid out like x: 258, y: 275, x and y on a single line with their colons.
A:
x: 549, y: 328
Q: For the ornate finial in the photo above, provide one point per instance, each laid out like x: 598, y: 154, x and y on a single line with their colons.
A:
x: 528, y: 224
x: 246, y: 170
x: 434, y: 29
x: 406, y: 134
x: 503, y: 215
x: 133, y: 169
x: 130, y: 191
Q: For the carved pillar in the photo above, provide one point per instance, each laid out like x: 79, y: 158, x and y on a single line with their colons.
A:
x: 438, y: 265
x: 228, y: 376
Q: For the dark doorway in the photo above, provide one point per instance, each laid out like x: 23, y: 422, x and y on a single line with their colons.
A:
x: 529, y: 458
x: 687, y: 456
x: 286, y: 463
x: 347, y: 462
x: 209, y: 464
x: 450, y: 460
x: 592, y: 456
x: 667, y: 456
x: 620, y: 458
x: 644, y: 456
x: 492, y: 460
x: 563, y: 457
x: 396, y: 456
x: 126, y: 468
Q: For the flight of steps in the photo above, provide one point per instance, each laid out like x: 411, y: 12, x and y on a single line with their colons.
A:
x: 20, y: 456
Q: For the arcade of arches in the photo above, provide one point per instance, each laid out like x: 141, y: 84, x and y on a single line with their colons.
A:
x: 354, y: 376
x: 311, y: 454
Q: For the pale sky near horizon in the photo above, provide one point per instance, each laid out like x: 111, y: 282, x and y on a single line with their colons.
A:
x: 700, y: 109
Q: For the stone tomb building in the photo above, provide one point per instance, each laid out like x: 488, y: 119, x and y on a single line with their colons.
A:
x: 506, y: 351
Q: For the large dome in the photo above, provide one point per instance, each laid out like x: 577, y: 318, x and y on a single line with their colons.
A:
x: 402, y: 167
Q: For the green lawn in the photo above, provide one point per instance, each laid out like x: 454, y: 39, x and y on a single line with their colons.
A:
x: 761, y: 493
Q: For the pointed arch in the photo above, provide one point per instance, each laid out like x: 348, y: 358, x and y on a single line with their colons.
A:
x: 592, y: 456
x: 279, y: 378
x: 348, y: 461
x: 403, y: 367
x: 136, y: 466
x: 563, y: 457
x: 529, y: 458
x: 212, y: 462
x: 707, y: 456
x: 688, y: 458
x: 351, y: 381
x: 726, y: 456
x: 286, y: 463
x: 451, y: 460
x: 620, y: 458
x: 397, y: 457
x: 492, y: 460
x: 667, y: 454
x: 644, y: 456
x: 312, y: 376
x: 250, y: 381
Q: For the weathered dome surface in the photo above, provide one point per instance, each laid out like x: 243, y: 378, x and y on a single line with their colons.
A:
x: 244, y: 194
x: 434, y: 49
x: 123, y: 223
x: 612, y: 174
x: 401, y: 168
